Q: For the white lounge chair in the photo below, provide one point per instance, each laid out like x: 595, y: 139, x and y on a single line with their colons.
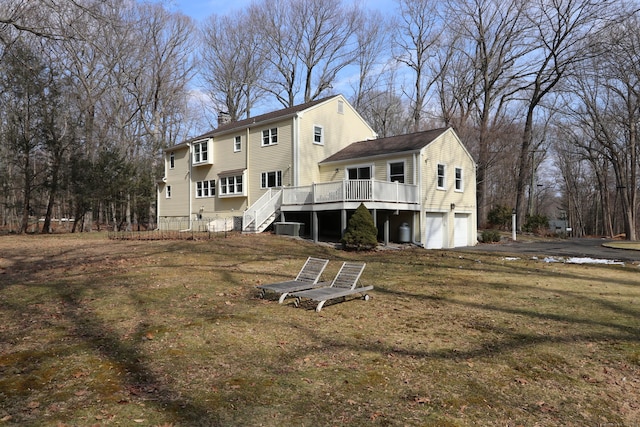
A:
x: 307, y: 278
x: 344, y: 284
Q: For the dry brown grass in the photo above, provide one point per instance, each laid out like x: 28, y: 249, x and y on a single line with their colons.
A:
x: 100, y: 332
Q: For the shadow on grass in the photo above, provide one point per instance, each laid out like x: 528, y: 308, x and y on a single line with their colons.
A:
x: 139, y: 380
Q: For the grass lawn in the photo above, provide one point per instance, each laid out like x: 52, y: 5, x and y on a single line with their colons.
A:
x: 634, y: 246
x: 172, y: 333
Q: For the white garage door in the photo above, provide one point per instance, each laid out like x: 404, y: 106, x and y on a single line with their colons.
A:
x: 435, y: 231
x: 461, y: 230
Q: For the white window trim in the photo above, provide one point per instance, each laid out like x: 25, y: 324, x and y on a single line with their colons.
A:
x: 197, y: 149
x: 237, y: 144
x: 321, y: 134
x: 235, y: 193
x: 167, y: 193
x: 461, y: 189
x: 404, y: 170
x: 371, y: 167
x: 271, y: 135
x: 340, y: 107
x: 172, y: 160
x: 264, y: 178
x: 210, y: 188
x: 444, y: 176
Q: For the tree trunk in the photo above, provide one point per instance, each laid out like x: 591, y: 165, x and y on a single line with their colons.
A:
x: 53, y: 191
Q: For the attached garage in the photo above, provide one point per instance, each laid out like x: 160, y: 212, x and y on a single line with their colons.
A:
x: 434, y: 230
x: 461, y: 230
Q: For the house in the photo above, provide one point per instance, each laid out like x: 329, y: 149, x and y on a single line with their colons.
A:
x: 313, y: 165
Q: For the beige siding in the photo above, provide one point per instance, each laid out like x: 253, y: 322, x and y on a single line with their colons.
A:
x: 380, y: 168
x: 339, y: 131
x: 178, y: 179
x: 272, y: 158
x: 449, y: 151
x: 226, y: 159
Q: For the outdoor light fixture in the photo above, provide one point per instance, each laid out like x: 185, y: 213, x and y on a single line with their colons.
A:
x: 453, y: 206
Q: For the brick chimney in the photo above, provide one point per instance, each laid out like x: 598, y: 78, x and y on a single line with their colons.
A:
x: 223, y: 118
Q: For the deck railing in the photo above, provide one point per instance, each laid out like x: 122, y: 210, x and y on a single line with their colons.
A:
x: 356, y: 190
x: 264, y: 207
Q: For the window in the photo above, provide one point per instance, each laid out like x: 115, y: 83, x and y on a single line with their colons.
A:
x: 237, y: 144
x: 206, y: 188
x: 172, y: 160
x: 201, y: 152
x: 271, y: 179
x: 269, y: 137
x: 359, y: 173
x: 340, y: 107
x: 441, y: 180
x: 231, y: 185
x: 396, y: 172
x: 318, y: 137
x: 168, y: 192
x: 458, y: 179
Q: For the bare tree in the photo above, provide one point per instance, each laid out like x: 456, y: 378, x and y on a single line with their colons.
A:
x: 560, y: 32
x: 232, y: 63
x: 480, y: 71
x: 607, y: 110
x: 372, y: 59
x: 417, y: 35
x: 306, y: 45
x: 385, y: 110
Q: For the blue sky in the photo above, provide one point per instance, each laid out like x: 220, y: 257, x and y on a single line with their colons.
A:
x: 200, y: 9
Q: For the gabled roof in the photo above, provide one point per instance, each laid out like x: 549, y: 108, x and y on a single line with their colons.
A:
x: 383, y: 146
x: 263, y: 118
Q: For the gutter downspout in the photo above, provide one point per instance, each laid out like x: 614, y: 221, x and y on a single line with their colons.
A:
x: 247, y: 168
x: 417, y: 172
x: 296, y: 149
x: 189, y: 192
x: 158, y: 195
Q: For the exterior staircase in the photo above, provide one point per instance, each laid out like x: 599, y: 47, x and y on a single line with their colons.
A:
x: 263, y: 212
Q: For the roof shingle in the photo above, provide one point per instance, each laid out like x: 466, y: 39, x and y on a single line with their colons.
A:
x: 389, y: 145
x: 273, y: 115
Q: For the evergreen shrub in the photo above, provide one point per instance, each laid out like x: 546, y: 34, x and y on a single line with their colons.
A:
x: 490, y: 236
x: 361, y: 233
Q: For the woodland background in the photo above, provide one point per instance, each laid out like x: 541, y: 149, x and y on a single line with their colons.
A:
x: 545, y: 94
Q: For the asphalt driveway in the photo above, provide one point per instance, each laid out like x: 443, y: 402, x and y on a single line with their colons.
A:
x: 579, y: 247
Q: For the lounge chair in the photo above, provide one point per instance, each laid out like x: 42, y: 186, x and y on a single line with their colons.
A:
x: 307, y: 278
x: 344, y: 284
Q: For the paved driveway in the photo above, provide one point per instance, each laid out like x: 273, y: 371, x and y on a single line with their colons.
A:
x: 584, y: 247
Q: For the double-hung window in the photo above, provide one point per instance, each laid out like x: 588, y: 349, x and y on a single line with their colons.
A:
x: 396, y: 172
x: 237, y: 144
x: 271, y: 179
x: 206, y: 188
x: 269, y: 137
x: 168, y: 192
x: 318, y: 135
x: 172, y: 160
x: 231, y: 185
x: 201, y: 152
x: 441, y: 177
x: 459, y: 179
